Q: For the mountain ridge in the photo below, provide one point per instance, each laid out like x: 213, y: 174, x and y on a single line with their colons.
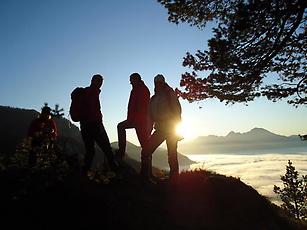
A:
x: 257, y: 140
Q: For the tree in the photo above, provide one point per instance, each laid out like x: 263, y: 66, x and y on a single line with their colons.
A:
x: 56, y: 112
x: 294, y: 193
x: 258, y: 49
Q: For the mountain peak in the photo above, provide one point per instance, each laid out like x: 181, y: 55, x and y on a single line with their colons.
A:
x: 232, y: 133
x: 260, y: 131
x: 256, y: 129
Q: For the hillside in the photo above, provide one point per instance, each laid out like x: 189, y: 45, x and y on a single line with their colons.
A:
x: 257, y: 140
x: 14, y: 124
x: 199, y: 200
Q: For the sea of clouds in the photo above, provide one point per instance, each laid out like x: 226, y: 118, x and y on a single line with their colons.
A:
x: 261, y: 171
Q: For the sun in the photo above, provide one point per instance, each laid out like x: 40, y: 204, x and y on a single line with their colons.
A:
x: 185, y: 129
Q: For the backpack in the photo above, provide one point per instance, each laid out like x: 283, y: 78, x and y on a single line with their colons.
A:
x: 76, y: 109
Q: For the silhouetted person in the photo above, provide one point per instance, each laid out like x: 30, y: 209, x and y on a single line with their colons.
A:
x: 137, y: 116
x: 42, y: 132
x: 165, y: 111
x: 92, y: 129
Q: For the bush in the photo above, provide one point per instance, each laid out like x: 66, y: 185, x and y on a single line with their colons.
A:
x: 20, y: 179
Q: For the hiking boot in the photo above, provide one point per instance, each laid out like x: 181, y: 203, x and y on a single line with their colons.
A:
x: 155, y: 179
x: 173, y: 182
x: 119, y: 154
x: 146, y: 181
x: 114, y: 166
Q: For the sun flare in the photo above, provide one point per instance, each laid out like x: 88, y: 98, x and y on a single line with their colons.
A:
x: 186, y: 130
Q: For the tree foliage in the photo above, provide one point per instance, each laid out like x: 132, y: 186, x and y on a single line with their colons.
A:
x: 56, y: 112
x: 294, y: 193
x: 258, y: 49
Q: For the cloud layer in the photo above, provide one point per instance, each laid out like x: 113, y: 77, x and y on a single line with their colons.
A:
x: 261, y: 171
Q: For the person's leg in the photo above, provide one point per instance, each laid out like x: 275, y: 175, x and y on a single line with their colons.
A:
x: 121, y: 133
x: 143, y: 134
x: 102, y: 140
x: 89, y: 143
x: 151, y: 145
x: 35, y: 144
x: 172, y: 143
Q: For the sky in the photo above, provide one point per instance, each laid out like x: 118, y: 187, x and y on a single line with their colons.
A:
x: 47, y: 48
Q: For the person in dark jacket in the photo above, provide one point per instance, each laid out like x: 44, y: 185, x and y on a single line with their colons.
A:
x: 92, y: 128
x: 42, y: 133
x: 137, y: 116
x: 165, y: 111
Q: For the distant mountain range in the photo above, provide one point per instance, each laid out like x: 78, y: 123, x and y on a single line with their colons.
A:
x: 14, y: 123
x: 257, y: 140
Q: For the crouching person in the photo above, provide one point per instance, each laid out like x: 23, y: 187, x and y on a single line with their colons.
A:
x: 42, y: 133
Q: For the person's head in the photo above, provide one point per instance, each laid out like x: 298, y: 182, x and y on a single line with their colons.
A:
x: 46, y: 112
x: 135, y: 79
x: 159, y: 81
x: 97, y: 81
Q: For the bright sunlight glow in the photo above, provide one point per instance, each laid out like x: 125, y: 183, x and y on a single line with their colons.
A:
x: 186, y: 130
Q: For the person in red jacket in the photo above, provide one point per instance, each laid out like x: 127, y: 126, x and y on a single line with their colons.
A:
x: 137, y: 116
x: 42, y: 132
x: 92, y: 128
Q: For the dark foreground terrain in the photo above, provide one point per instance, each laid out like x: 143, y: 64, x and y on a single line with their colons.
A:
x: 199, y: 200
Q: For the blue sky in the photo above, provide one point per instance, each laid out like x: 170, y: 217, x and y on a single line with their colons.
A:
x: 50, y: 47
